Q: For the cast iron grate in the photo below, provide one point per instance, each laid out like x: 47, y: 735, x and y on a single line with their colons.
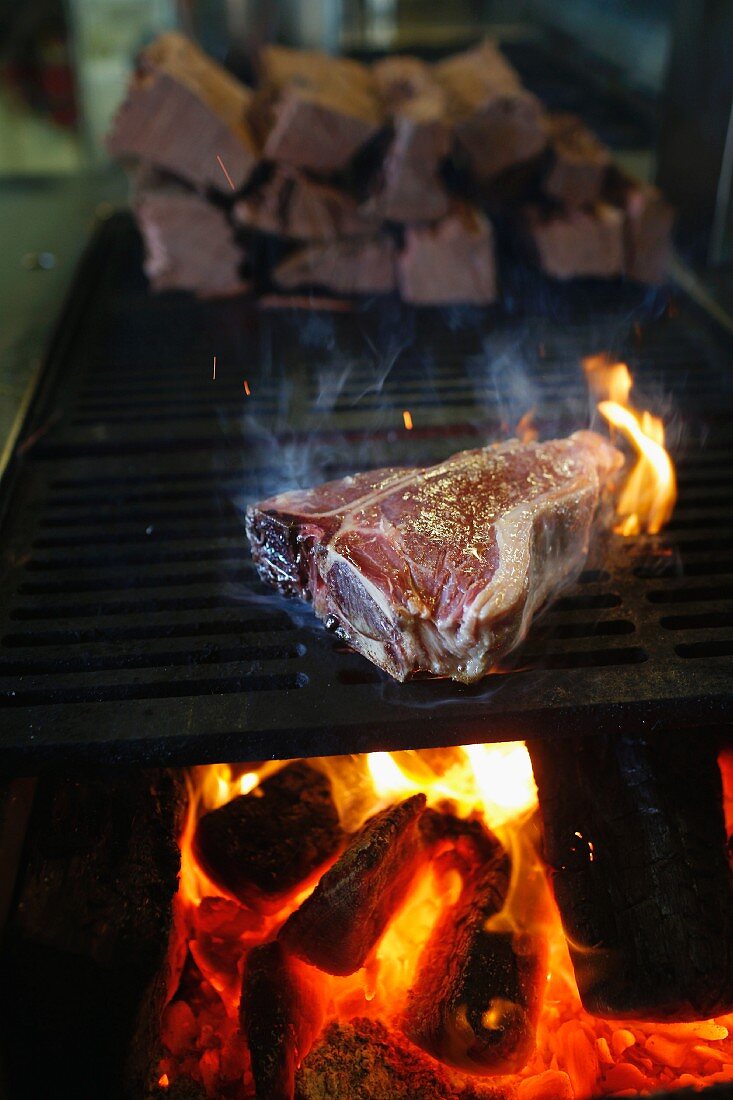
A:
x: 133, y: 625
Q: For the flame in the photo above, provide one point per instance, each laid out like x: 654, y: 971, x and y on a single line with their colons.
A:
x: 576, y: 1054
x: 407, y: 419
x: 526, y: 429
x: 647, y: 499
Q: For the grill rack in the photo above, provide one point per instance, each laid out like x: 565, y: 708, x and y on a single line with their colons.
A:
x: 133, y: 625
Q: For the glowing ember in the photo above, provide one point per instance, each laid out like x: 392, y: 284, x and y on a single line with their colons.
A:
x: 648, y: 496
x: 407, y: 418
x: 230, y: 181
x: 247, y: 390
x: 577, y: 1055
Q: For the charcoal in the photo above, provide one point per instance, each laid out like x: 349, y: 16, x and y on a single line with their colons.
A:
x: 314, y: 111
x: 478, y: 991
x: 497, y: 122
x: 634, y: 840
x: 409, y: 186
x: 298, y: 208
x: 578, y: 243
x: 450, y: 262
x: 182, y: 111
x: 281, y: 1013
x: 189, y: 244
x: 579, y: 163
x: 360, y: 266
x: 260, y: 846
x: 337, y: 927
x: 362, y: 1060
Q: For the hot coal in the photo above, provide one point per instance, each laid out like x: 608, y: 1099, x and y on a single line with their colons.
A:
x: 362, y: 266
x: 577, y: 243
x: 449, y: 262
x: 262, y: 845
x: 409, y: 187
x: 497, y: 122
x: 635, y: 843
x: 281, y: 1013
x: 337, y: 927
x: 444, y: 568
x: 189, y: 244
x: 362, y: 1060
x: 182, y: 111
x: 579, y: 163
x: 314, y: 111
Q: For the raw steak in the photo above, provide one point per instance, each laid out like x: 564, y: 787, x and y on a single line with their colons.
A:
x: 442, y: 568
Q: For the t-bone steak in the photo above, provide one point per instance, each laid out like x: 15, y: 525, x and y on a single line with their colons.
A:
x: 439, y: 569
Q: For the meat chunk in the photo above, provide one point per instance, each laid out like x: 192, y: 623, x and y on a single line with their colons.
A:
x: 359, y: 266
x: 338, y: 925
x: 281, y: 1012
x: 314, y: 111
x: 578, y: 244
x: 261, y: 845
x: 409, y: 187
x: 498, y: 123
x: 189, y: 243
x: 182, y: 111
x: 450, y: 262
x: 294, y: 206
x: 579, y: 163
x: 444, y: 568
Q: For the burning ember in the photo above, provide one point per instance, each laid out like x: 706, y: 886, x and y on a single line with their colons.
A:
x: 455, y: 980
x: 648, y: 496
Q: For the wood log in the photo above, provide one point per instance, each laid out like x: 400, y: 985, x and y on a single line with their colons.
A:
x: 450, y: 262
x: 314, y: 111
x: 648, y: 225
x: 360, y: 266
x: 362, y: 1060
x: 261, y: 846
x: 577, y: 243
x: 281, y: 1012
x: 635, y: 843
x: 337, y: 927
x: 189, y: 243
x: 291, y: 205
x: 88, y: 941
x: 579, y: 163
x: 182, y: 111
x: 498, y: 123
x: 478, y: 991
x: 409, y: 187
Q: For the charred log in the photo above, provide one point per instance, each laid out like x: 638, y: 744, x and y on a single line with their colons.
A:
x: 478, y: 992
x: 362, y: 1060
x: 648, y: 224
x: 579, y: 163
x: 87, y: 944
x: 298, y: 208
x: 261, y: 845
x: 450, y: 262
x: 281, y: 1012
x: 182, y: 111
x: 339, y: 924
x: 635, y: 843
x: 577, y: 243
x: 360, y: 266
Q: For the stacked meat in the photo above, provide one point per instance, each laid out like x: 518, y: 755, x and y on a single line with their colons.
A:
x: 333, y: 176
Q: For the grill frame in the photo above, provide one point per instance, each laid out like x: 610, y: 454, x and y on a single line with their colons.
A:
x: 173, y: 675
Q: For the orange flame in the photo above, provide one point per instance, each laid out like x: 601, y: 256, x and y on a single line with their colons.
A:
x: 648, y: 496
x: 577, y: 1055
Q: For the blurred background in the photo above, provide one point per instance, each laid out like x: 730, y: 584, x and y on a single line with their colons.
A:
x: 652, y: 77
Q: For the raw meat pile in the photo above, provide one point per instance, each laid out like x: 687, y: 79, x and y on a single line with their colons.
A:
x: 439, y: 569
x: 332, y: 176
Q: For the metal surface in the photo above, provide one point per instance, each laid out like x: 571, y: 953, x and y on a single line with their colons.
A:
x: 133, y: 625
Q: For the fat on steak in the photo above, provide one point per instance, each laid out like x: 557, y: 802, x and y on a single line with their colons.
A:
x: 440, y: 569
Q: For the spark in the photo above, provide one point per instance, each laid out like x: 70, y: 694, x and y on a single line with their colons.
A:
x: 407, y: 417
x: 247, y: 390
x: 214, y: 368
x: 163, y: 1081
x: 230, y: 181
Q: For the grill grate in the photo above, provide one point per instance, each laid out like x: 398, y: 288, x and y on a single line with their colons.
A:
x: 133, y: 624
